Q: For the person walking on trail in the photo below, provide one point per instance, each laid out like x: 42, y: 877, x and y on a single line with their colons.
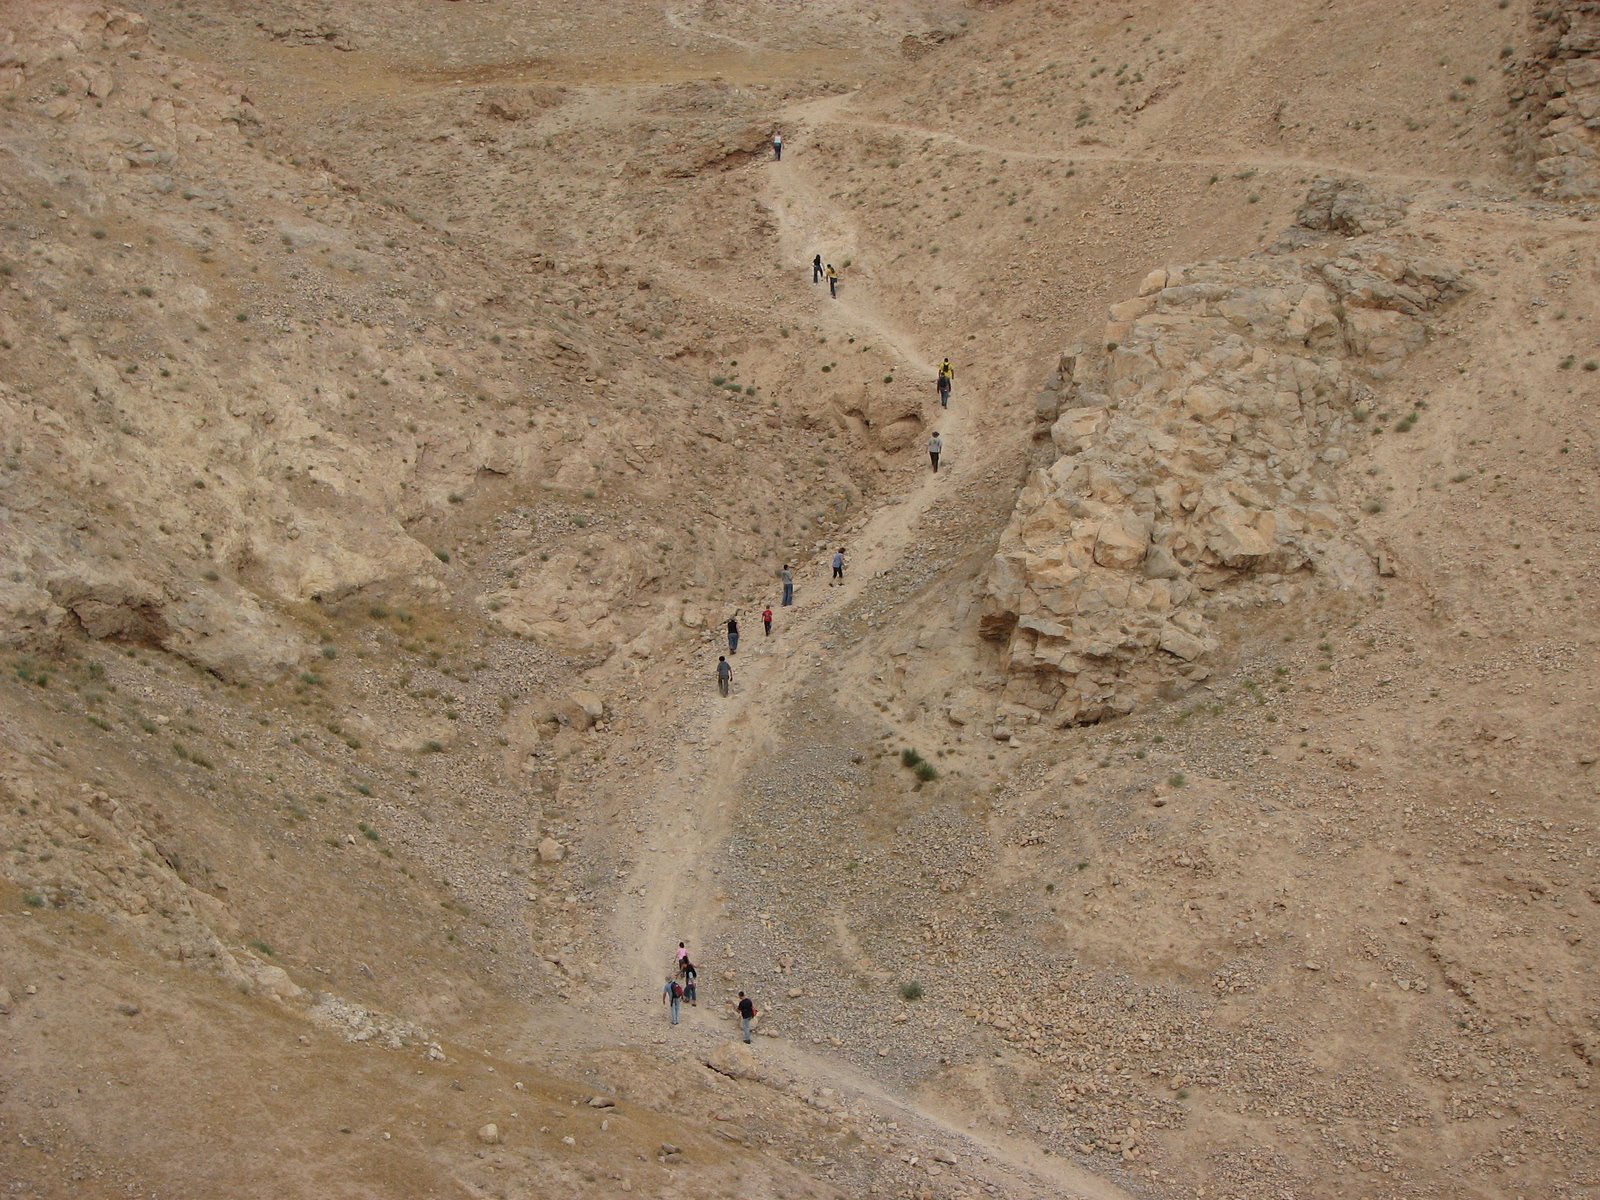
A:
x: 683, y: 955
x: 733, y: 634
x: 838, y: 568
x: 816, y: 269
x: 766, y: 620
x: 787, y: 575
x: 672, y: 993
x: 724, y: 674
x: 947, y: 379
x: 935, y: 446
x: 777, y: 147
x: 690, y: 976
x: 747, y: 1013
x: 833, y: 281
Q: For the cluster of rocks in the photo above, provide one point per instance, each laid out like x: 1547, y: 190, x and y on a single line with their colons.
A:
x: 1560, y: 98
x: 1198, y: 464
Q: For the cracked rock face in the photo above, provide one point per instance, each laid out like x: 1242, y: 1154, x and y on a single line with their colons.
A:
x: 1560, y: 93
x: 1199, y: 464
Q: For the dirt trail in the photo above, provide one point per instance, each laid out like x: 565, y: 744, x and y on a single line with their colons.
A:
x: 689, y: 815
x: 1156, y: 158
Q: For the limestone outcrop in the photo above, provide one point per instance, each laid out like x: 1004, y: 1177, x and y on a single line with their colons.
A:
x: 1198, y: 462
x: 1560, y: 99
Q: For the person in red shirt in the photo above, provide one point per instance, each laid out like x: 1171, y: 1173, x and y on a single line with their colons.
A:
x: 766, y: 619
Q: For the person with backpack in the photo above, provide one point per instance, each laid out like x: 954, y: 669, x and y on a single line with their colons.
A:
x: 766, y: 620
x: 816, y: 269
x: 747, y: 1013
x: 690, y: 976
x: 833, y: 281
x: 724, y: 674
x: 787, y: 575
x: 672, y: 994
x: 935, y: 446
x: 733, y: 634
x: 838, y: 569
x: 947, y: 379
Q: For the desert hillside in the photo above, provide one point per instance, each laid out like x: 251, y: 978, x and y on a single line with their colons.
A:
x: 1188, y: 790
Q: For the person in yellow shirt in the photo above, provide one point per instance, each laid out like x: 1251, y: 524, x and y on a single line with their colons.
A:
x: 833, y: 281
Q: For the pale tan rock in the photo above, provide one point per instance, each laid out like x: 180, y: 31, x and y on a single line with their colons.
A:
x: 1153, y: 282
x: 1204, y: 473
x: 1122, y: 541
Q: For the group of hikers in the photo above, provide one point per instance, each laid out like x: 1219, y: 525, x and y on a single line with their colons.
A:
x: 683, y: 985
x: 786, y: 576
x: 819, y: 273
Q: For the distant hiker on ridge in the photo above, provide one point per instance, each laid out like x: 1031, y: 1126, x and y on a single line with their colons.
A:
x: 833, y: 282
x: 935, y: 445
x: 788, y: 585
x: 816, y: 269
x: 724, y: 674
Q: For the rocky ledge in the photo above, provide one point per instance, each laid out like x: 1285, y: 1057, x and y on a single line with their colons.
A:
x: 1199, y: 460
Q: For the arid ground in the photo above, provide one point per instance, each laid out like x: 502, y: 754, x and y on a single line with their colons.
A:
x: 1188, y: 791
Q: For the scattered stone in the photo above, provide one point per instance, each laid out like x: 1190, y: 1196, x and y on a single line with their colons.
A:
x: 489, y: 1134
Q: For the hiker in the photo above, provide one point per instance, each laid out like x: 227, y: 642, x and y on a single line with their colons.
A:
x: 724, y: 674
x: 833, y: 281
x: 747, y: 1013
x: 816, y: 269
x: 838, y: 568
x: 935, y: 445
x: 947, y: 379
x: 766, y: 620
x: 672, y: 994
x: 733, y: 634
x: 683, y: 955
x: 777, y: 147
x: 690, y: 975
x: 787, y: 576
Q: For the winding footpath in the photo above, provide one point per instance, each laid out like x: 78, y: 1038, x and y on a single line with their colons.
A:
x: 690, y: 805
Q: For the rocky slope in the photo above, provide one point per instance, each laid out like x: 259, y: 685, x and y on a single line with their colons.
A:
x: 1201, y: 465
x: 395, y: 398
